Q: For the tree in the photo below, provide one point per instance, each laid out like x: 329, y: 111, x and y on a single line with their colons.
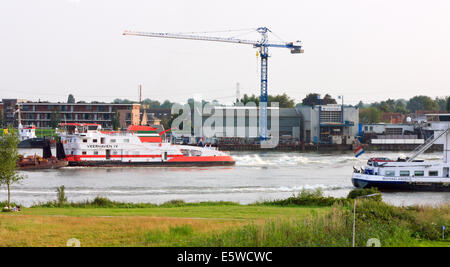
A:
x: 151, y: 103
x: 327, y: 99
x: 9, y: 155
x: 166, y: 104
x: 284, y: 101
x: 448, y: 104
x: 115, y: 121
x: 246, y: 99
x: 442, y: 103
x: 360, y: 105
x: 400, y: 107
x: 422, y: 102
x: 314, y: 99
x: 1, y: 119
x: 370, y: 115
x: 71, y: 99
x: 55, y: 119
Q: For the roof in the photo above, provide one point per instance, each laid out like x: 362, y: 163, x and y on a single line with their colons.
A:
x: 79, y: 124
x: 140, y: 128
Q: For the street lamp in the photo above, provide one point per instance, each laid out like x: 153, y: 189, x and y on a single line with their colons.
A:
x: 354, y: 214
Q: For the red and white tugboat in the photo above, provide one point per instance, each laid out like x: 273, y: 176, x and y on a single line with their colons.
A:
x: 86, y: 144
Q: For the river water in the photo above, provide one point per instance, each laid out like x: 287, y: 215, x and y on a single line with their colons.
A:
x: 257, y: 176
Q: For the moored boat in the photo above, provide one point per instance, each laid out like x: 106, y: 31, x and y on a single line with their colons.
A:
x: 410, y: 173
x: 38, y: 163
x: 88, y: 145
x: 47, y: 161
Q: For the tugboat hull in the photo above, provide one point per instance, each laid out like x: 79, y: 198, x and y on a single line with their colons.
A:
x: 194, y: 162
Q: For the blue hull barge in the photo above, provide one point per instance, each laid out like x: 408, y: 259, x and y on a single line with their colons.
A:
x: 410, y: 174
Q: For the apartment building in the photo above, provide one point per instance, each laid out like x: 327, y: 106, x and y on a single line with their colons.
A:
x: 40, y: 113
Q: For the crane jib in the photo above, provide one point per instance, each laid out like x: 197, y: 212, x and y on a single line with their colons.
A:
x: 262, y: 44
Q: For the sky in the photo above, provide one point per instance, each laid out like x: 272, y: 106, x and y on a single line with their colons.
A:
x: 367, y: 50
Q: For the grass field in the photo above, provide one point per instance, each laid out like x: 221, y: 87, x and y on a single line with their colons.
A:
x: 291, y: 222
x: 45, y: 132
x: 130, y: 227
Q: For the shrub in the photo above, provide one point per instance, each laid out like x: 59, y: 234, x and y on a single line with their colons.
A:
x: 306, y: 198
x: 102, y: 202
x: 61, y: 195
x: 364, y: 192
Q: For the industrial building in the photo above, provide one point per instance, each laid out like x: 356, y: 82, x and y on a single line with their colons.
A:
x: 240, y: 124
x: 329, y: 124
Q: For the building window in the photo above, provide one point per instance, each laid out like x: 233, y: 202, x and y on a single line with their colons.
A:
x: 404, y: 173
x: 390, y: 173
x: 366, y: 128
x: 433, y: 173
x: 419, y: 173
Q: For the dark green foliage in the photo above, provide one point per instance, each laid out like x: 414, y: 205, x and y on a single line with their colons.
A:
x: 115, y: 121
x: 370, y: 115
x: 448, y: 104
x: 9, y: 154
x: 305, y: 198
x: 103, y: 202
x: 364, y: 192
x: 313, y: 99
x: 61, y: 195
x: 55, y: 119
x: 71, y: 99
x: 2, y: 120
x: 422, y: 103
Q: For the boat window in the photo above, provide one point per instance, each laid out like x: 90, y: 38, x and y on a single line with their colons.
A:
x: 112, y: 140
x: 84, y: 140
x: 390, y: 173
x: 83, y: 152
x: 404, y: 173
x: 419, y: 173
x: 95, y: 152
x: 94, y: 140
x: 102, y: 140
x: 433, y: 173
x: 126, y: 140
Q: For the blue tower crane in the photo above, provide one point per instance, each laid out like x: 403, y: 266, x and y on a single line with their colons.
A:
x: 263, y: 45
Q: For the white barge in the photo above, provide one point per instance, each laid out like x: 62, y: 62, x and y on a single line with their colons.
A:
x: 88, y: 145
x: 410, y: 173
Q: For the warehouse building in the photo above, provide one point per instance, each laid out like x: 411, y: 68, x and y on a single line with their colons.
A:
x: 329, y: 124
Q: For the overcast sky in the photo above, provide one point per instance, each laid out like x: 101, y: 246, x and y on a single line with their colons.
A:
x: 363, y: 49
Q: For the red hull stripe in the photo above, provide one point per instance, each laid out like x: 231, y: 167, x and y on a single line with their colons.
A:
x: 174, y: 158
x: 201, y: 159
x: 150, y: 139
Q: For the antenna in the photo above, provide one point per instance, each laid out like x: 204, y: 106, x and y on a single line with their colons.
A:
x: 140, y: 93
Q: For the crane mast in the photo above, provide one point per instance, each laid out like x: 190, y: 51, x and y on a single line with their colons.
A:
x: 263, y: 46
